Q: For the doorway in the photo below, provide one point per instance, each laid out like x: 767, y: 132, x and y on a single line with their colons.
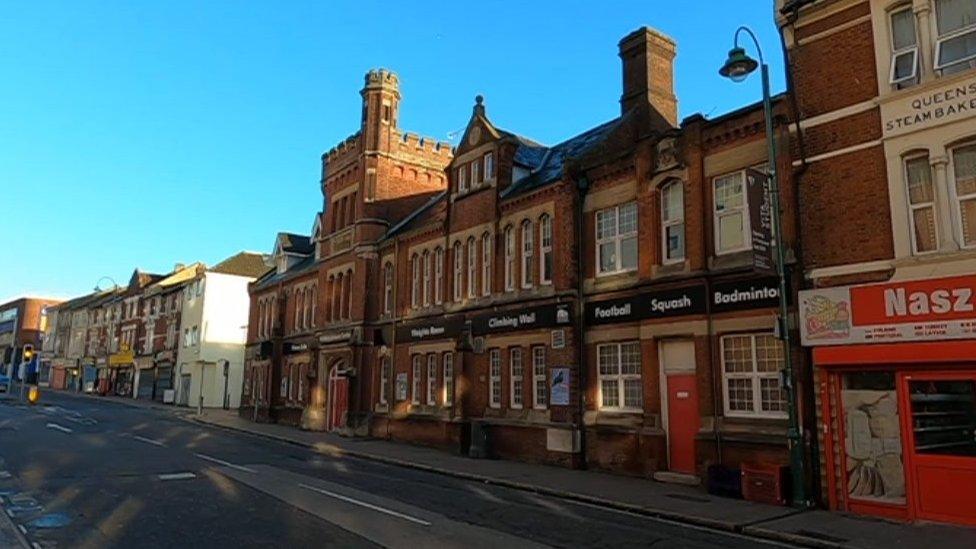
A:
x: 679, y: 385
x: 338, y: 394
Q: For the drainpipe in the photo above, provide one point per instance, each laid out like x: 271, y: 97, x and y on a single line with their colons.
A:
x: 582, y: 187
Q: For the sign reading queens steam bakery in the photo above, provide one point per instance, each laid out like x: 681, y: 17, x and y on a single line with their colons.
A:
x: 949, y: 103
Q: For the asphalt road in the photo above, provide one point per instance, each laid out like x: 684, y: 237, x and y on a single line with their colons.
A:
x: 95, y: 474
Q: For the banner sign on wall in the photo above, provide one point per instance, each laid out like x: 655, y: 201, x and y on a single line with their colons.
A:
x: 657, y: 304
x: 759, y: 192
x: 740, y: 295
x: 544, y: 316
x: 913, y: 310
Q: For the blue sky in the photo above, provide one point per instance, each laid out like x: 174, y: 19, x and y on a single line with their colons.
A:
x: 142, y: 134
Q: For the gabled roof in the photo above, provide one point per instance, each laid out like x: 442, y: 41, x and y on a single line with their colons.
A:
x: 419, y: 215
x: 249, y: 264
x: 291, y: 243
x: 272, y: 276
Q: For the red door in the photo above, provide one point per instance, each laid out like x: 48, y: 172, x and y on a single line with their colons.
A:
x: 940, y: 435
x: 338, y: 400
x: 683, y: 422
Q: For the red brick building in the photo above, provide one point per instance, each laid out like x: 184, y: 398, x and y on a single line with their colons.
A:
x: 885, y: 165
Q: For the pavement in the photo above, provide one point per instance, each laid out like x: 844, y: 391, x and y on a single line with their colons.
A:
x: 673, y: 504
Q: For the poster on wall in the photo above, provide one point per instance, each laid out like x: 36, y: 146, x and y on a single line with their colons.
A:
x: 759, y: 191
x: 559, y: 392
x: 401, y: 386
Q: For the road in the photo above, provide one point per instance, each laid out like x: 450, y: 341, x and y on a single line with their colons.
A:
x: 87, y: 473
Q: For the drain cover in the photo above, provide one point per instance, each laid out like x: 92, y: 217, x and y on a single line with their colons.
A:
x: 53, y: 520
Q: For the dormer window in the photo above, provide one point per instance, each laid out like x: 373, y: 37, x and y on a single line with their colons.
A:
x: 489, y: 170
x: 462, y: 178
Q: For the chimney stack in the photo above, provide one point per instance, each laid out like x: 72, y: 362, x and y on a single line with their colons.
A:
x: 648, y: 65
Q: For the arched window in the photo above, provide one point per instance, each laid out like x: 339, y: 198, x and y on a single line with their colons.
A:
x: 388, y: 288
x: 348, y: 302
x: 472, y: 268
x: 486, y: 264
x: 509, y: 259
x: 545, y: 249
x: 528, y: 246
x: 458, y: 271
x: 426, y: 267
x: 414, y: 281
x: 673, y: 222
x: 439, y: 275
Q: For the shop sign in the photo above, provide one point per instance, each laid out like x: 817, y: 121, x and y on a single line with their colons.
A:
x: 559, y: 390
x: 545, y: 316
x: 144, y: 363
x: 656, y: 304
x: 739, y: 295
x: 915, y: 112
x: 914, y: 310
x: 100, y: 361
x: 433, y: 328
x: 121, y: 357
x: 295, y: 348
x: 759, y: 191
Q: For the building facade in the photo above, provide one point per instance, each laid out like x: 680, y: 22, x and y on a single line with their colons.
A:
x: 22, y: 321
x: 886, y: 175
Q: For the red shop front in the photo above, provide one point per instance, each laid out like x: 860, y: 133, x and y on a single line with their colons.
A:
x: 896, y: 371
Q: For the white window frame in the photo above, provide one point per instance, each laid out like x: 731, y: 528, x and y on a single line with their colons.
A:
x: 439, y: 275
x: 427, y: 279
x: 495, y: 378
x: 417, y: 381
x: 475, y: 173
x: 754, y: 375
x: 895, y: 54
x: 472, y: 267
x: 540, y: 378
x: 956, y: 197
x: 458, y: 271
x: 616, y: 239
x: 674, y: 221
x: 913, y: 207
x: 489, y: 171
x: 414, y: 282
x: 940, y: 39
x: 516, y: 378
x: 545, y: 249
x: 743, y: 210
x: 509, y: 258
x: 388, y: 288
x: 448, y: 372
x: 620, y: 378
x: 462, y: 175
x: 384, y: 379
x: 432, y: 379
x: 528, y: 253
x: 486, y: 245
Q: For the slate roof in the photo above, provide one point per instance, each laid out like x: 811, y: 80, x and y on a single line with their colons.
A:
x: 296, y: 243
x: 272, y: 276
x: 249, y: 264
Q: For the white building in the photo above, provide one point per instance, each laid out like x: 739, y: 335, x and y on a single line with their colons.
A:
x: 214, y: 329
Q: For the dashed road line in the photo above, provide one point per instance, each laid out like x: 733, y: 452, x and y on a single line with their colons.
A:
x: 348, y: 499
x: 35, y: 545
x: 176, y: 476
x: 225, y: 463
x: 149, y: 441
x: 22, y: 529
x: 61, y: 428
x: 10, y: 513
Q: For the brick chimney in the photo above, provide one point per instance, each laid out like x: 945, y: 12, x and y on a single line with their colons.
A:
x: 648, y: 62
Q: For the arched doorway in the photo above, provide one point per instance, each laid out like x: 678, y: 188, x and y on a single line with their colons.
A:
x: 338, y: 395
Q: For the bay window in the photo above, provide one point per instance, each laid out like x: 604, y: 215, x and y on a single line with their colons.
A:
x: 921, y: 204
x: 751, y: 375
x: 619, y: 371
x: 673, y: 221
x: 616, y: 239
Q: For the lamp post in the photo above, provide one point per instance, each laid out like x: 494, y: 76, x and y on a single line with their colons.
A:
x: 737, y: 68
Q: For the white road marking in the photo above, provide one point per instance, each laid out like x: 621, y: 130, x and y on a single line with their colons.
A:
x: 348, y: 499
x: 57, y: 427
x: 176, y: 476
x: 35, y: 545
x: 225, y: 463
x: 10, y: 513
x: 22, y: 529
x: 148, y: 440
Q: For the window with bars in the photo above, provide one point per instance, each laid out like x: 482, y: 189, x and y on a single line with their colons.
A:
x: 751, y: 375
x: 432, y: 379
x: 515, y: 376
x: 616, y: 239
x: 495, y: 378
x: 540, y: 379
x: 619, y: 371
x: 964, y: 175
x: 673, y: 222
x: 448, y: 372
x: 418, y: 380
x: 545, y: 249
x: 921, y: 204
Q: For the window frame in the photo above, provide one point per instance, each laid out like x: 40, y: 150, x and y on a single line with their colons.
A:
x: 895, y: 54
x: 438, y: 275
x: 472, y: 271
x: 426, y: 278
x: 755, y: 376
x: 414, y: 282
x: 527, y: 254
x: 489, y: 166
x: 509, y: 258
x: 432, y: 379
x: 940, y: 39
x: 416, y: 384
x: 620, y: 378
x: 457, y: 286
x: 743, y: 210
x: 617, y: 239
x: 545, y: 250
x: 486, y: 264
x: 958, y: 199
x: 667, y: 223
x: 516, y: 378
x: 540, y: 380
x: 494, y: 378
x: 462, y: 176
x: 447, y: 371
x: 912, y: 207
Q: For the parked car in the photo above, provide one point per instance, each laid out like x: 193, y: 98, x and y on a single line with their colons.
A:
x: 4, y: 383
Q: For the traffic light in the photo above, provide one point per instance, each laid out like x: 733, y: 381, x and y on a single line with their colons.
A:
x: 30, y: 368
x: 28, y: 353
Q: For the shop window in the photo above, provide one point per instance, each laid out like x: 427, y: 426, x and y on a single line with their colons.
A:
x: 955, y: 48
x: 944, y: 417
x: 619, y: 370
x: 448, y: 379
x: 515, y: 377
x: 458, y: 270
x: 904, y: 48
x: 431, y: 379
x: 616, y: 239
x: 509, y: 259
x: 540, y: 381
x: 872, y: 437
x: 731, y: 219
x: 418, y: 381
x: 385, y: 380
x: 545, y: 249
x: 472, y: 268
x: 486, y: 264
x: 673, y: 221
x: 921, y: 202
x: 964, y: 173
x: 751, y: 374
x: 495, y: 378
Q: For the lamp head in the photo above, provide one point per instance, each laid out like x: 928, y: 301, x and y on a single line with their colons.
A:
x: 738, y: 66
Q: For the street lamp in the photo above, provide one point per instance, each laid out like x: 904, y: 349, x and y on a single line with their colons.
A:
x: 737, y: 68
